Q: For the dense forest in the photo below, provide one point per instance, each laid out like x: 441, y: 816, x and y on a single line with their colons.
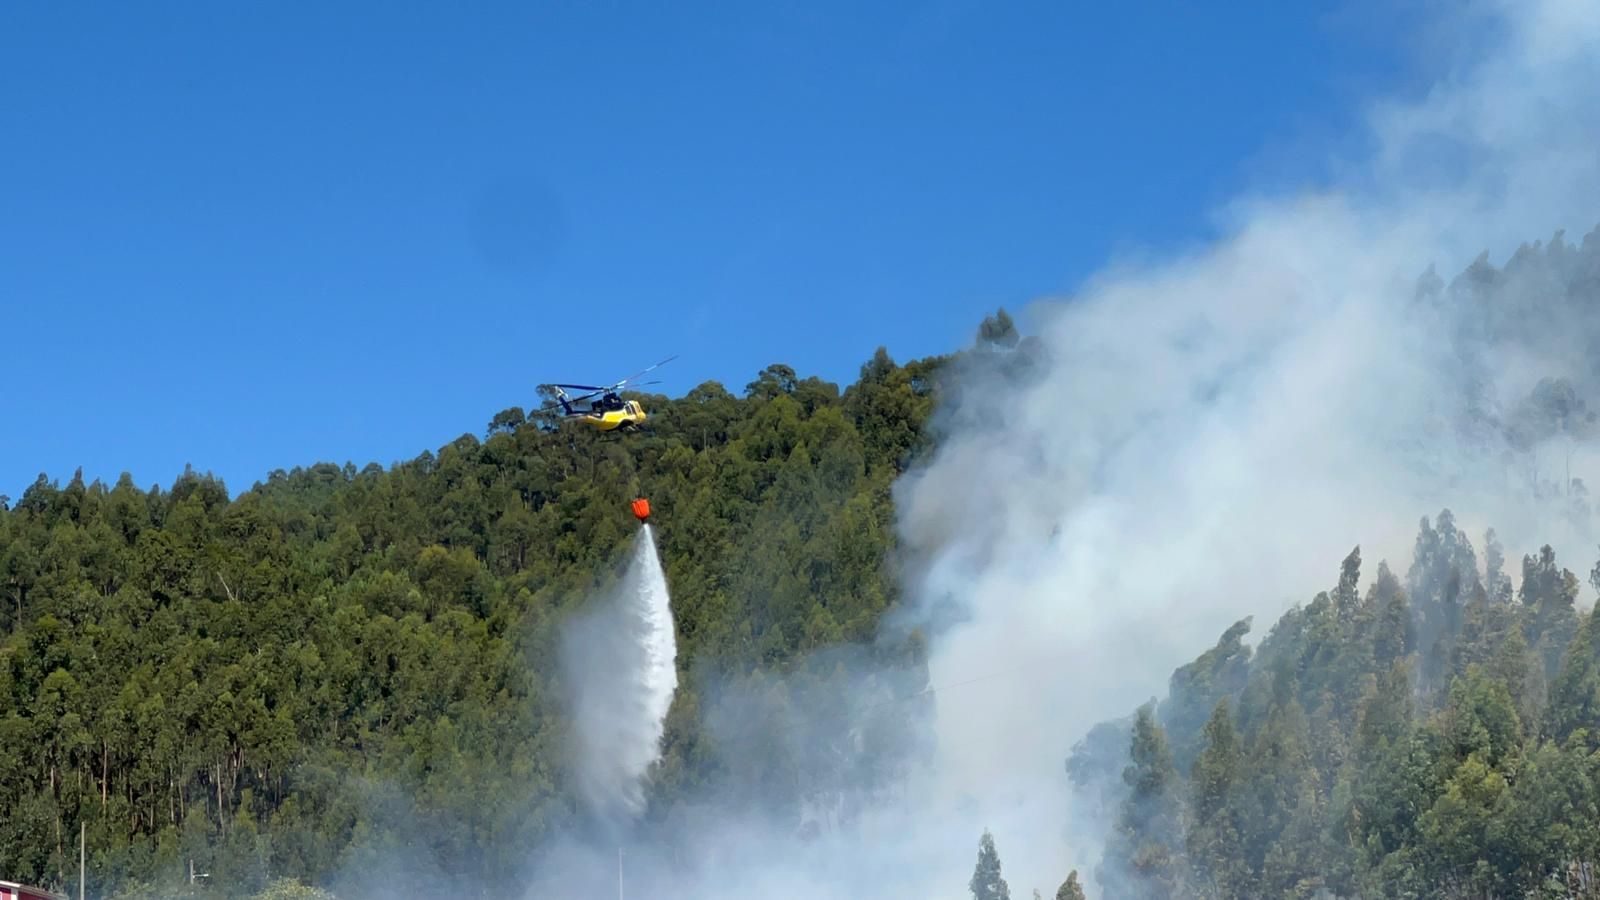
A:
x: 340, y: 668
x: 340, y: 663
x: 1436, y: 736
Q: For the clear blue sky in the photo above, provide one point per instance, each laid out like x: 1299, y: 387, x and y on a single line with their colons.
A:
x: 257, y: 235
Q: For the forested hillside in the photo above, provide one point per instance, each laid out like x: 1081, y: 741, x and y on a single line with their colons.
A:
x: 1437, y: 736
x: 348, y: 670
x: 342, y: 663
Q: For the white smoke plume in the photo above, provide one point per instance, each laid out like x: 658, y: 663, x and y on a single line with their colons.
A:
x: 1201, y: 439
x: 618, y: 661
x: 1206, y: 438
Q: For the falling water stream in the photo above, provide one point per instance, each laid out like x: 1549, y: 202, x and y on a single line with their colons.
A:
x: 619, y: 660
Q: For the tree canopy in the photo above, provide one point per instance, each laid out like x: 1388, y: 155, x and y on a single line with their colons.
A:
x: 339, y: 663
x: 354, y: 669
x: 1344, y: 757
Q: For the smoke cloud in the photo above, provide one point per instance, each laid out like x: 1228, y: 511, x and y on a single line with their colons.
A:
x: 1195, y: 441
x: 1180, y: 444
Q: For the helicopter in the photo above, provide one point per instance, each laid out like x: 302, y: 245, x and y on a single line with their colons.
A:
x: 606, y: 411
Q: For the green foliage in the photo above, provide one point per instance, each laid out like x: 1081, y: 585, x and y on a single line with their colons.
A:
x: 1144, y: 854
x: 1196, y: 688
x: 340, y: 668
x: 987, y: 882
x: 1345, y: 759
x: 1215, y: 838
x: 998, y: 330
x: 1070, y: 889
x: 1574, y: 705
x: 290, y: 889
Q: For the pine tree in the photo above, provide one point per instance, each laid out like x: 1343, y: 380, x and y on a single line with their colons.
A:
x: 987, y: 883
x: 1393, y: 632
x: 1193, y: 691
x: 1070, y: 889
x: 1480, y: 718
x: 1497, y: 582
x: 1385, y: 716
x: 1575, y: 694
x: 998, y: 330
x: 1345, y: 596
x: 1143, y: 856
x: 1548, y: 595
x: 1443, y: 575
x: 1213, y: 841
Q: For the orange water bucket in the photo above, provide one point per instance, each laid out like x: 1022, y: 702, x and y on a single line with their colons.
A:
x: 641, y: 509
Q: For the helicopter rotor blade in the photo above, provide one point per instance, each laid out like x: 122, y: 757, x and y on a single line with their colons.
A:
x: 596, y: 390
x: 644, y: 371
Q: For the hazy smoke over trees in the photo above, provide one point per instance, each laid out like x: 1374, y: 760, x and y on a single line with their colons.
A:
x: 1176, y: 447
x: 1190, y: 442
x: 1183, y: 444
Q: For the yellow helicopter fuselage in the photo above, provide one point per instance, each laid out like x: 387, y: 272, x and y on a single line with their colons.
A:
x: 629, y: 416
